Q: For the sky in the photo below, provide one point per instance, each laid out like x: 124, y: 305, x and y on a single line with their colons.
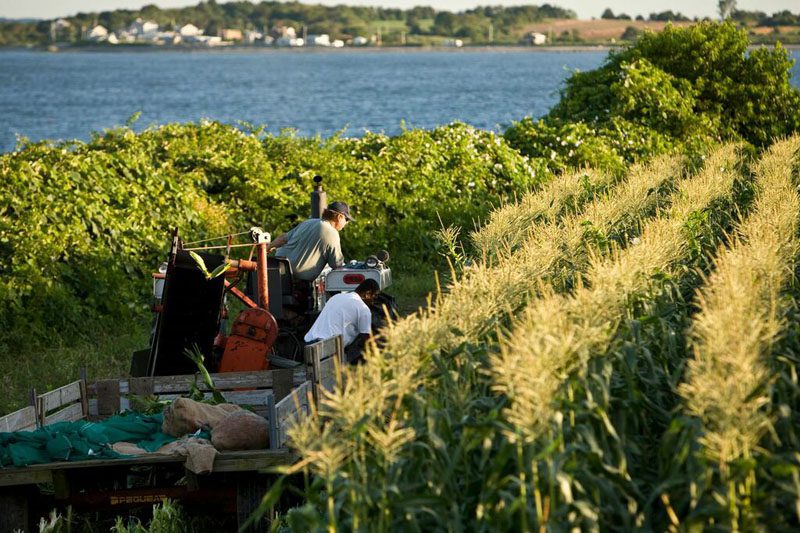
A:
x: 585, y: 9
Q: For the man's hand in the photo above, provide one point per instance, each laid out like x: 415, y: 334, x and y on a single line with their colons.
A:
x: 277, y: 243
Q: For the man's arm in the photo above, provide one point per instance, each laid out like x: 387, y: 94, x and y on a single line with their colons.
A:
x: 364, y: 320
x: 335, y: 256
x: 277, y: 243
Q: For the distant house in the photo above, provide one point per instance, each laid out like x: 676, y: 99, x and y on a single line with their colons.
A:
x: 360, y: 41
x: 168, y: 37
x: 536, y: 39
x: 278, y: 32
x: 230, y: 34
x: 190, y: 30
x: 338, y: 43
x: 211, y: 41
x: 322, y: 39
x: 289, y: 42
x: 112, y: 39
x: 142, y: 27
x: 455, y: 43
x: 194, y: 38
x: 269, y: 40
x: 150, y: 37
x: 97, y: 34
x: 204, y: 40
x: 251, y: 36
x: 60, y: 29
x: 125, y: 37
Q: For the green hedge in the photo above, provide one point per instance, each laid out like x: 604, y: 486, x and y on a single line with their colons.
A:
x: 83, y: 225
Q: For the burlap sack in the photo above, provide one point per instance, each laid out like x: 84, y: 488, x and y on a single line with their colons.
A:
x: 184, y: 416
x: 199, y: 453
x: 127, y: 448
x: 241, y: 430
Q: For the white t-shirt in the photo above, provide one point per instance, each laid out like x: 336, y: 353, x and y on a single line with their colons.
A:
x: 345, y: 314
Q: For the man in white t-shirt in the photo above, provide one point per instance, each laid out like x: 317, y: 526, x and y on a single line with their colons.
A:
x: 347, y: 314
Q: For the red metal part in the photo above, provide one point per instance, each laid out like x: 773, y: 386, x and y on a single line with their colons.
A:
x: 251, y: 339
x: 255, y: 330
x: 242, y: 296
x: 243, y: 264
x: 353, y: 279
x: 261, y: 273
x: 219, y: 341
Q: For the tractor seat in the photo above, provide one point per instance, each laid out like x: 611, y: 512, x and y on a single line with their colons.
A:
x: 280, y: 279
x: 280, y: 283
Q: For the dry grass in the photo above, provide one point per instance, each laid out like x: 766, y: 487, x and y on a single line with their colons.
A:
x: 597, y: 30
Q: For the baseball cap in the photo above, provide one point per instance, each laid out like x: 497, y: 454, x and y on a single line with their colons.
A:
x: 341, y: 208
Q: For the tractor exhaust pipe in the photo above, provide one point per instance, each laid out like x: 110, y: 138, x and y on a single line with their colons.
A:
x: 319, y: 198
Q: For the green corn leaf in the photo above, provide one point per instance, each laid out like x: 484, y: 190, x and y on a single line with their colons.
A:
x: 200, y: 264
x: 221, y: 269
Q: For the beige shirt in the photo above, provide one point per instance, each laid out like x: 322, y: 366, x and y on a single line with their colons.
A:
x: 310, y: 246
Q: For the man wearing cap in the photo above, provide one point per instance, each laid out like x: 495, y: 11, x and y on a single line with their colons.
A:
x: 314, y: 243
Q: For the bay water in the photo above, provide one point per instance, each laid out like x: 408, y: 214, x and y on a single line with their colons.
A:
x: 68, y: 95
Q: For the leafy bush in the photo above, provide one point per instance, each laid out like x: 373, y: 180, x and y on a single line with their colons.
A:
x: 740, y: 94
x: 681, y: 89
x: 82, y: 225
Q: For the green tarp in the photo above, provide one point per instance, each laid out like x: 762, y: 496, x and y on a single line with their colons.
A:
x: 82, y: 440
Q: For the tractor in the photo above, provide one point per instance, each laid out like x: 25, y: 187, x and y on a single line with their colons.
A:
x: 195, y: 289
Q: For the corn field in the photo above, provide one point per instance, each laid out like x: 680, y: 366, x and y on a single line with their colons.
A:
x: 620, y: 353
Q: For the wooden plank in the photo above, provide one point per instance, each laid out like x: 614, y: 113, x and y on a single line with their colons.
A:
x: 141, y: 387
x: 246, y: 461
x: 233, y: 461
x: 182, y: 383
x: 68, y: 414
x: 248, y: 398
x: 227, y: 380
x: 21, y: 420
x: 222, y: 382
x: 291, y: 409
x: 108, y: 395
x: 272, y: 420
x: 10, y: 477
x: 330, y: 347
x: 60, y: 396
x: 282, y: 383
x: 324, y: 361
x: 311, y: 352
x: 84, y: 395
x: 328, y: 370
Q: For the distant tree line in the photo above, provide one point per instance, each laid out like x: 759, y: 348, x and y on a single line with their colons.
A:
x: 480, y: 24
x: 759, y: 18
x: 663, y: 16
x: 726, y: 9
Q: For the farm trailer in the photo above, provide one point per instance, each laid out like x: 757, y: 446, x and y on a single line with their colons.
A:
x: 238, y: 479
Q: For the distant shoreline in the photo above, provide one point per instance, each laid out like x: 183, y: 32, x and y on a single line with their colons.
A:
x: 350, y: 49
x: 307, y: 50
